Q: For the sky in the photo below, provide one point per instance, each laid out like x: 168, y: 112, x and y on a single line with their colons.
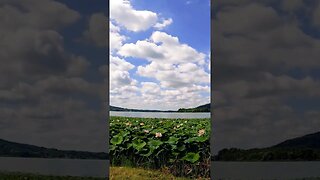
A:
x: 266, y: 79
x: 54, y: 64
x: 52, y: 80
x: 159, y: 54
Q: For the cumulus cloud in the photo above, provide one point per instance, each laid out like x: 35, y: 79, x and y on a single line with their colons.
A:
x: 262, y: 73
x: 119, y: 75
x: 174, y: 76
x: 125, y: 15
x: 116, y: 39
x: 97, y: 30
x: 134, y: 20
x: 43, y: 84
x: 166, y: 79
x: 162, y: 47
x: 165, y: 23
x: 170, y: 68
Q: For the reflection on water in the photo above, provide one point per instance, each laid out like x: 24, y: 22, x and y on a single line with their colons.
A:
x: 160, y: 115
x: 264, y: 170
x: 57, y: 167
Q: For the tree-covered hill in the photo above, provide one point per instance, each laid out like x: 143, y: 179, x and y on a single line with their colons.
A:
x: 202, y: 108
x: 304, y: 148
x: 12, y: 149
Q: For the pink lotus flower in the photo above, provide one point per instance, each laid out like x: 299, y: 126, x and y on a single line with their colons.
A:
x: 201, y: 132
x: 158, y: 135
x: 146, y: 131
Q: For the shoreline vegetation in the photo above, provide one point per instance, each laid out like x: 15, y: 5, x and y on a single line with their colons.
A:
x: 202, y: 108
x: 181, y: 146
x: 268, y: 155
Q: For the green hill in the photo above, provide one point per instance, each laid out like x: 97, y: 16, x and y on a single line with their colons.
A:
x: 308, y: 141
x: 305, y: 148
x: 202, y: 108
x: 12, y: 149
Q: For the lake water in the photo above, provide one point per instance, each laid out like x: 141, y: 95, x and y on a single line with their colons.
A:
x: 172, y: 115
x: 58, y: 167
x: 264, y: 170
x: 220, y: 170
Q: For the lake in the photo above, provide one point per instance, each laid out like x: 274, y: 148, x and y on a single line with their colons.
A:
x: 264, y: 170
x: 172, y: 115
x: 58, y: 167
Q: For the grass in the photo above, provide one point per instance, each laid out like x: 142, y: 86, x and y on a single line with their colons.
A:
x: 140, y: 174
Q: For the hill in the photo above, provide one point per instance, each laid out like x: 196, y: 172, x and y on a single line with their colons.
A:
x: 202, y: 108
x: 13, y: 149
x: 304, y: 148
x: 308, y: 141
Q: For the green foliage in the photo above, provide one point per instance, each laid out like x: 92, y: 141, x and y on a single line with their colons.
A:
x: 157, y: 143
x: 192, y: 157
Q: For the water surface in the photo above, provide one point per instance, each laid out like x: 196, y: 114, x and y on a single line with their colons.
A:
x: 57, y: 167
x: 264, y: 170
x: 172, y: 115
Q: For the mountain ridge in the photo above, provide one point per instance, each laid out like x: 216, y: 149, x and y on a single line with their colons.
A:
x: 14, y: 149
x: 302, y: 148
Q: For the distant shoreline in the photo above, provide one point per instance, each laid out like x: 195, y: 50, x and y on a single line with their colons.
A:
x: 161, y: 111
x: 202, y: 108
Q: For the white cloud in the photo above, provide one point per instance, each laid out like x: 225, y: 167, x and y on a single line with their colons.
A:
x: 120, y: 76
x: 134, y: 20
x: 165, y: 23
x: 175, y: 76
x: 176, y: 71
x: 162, y: 47
x: 96, y: 31
x: 170, y: 68
x: 151, y: 95
x: 116, y: 39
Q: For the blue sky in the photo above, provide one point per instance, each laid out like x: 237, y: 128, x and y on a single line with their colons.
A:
x: 159, y: 53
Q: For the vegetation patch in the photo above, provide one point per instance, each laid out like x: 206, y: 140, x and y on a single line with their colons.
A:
x: 179, y: 145
x: 140, y: 174
x: 269, y: 154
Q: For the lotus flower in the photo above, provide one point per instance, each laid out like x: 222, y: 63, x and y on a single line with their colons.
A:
x: 158, y: 135
x: 146, y: 131
x: 128, y: 124
x: 201, y: 132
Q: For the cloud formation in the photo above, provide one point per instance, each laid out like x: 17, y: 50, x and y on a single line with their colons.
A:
x: 134, y: 20
x: 171, y: 75
x: 45, y: 91
x: 265, y: 86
